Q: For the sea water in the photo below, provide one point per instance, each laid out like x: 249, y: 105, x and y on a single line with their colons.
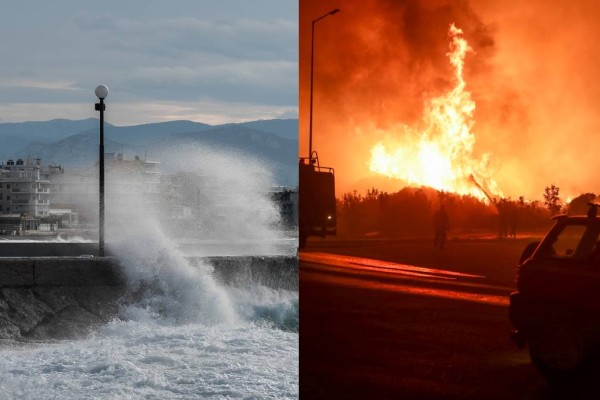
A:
x: 179, y: 333
x: 146, y: 356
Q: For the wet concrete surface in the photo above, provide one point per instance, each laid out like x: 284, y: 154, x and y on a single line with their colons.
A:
x: 372, y: 329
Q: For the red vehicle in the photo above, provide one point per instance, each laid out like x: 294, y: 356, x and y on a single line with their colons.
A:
x: 317, y: 216
x: 556, y: 308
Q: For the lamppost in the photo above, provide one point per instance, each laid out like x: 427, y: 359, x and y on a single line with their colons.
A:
x: 312, y: 63
x: 101, y: 93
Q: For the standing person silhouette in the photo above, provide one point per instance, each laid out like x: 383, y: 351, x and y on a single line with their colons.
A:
x: 441, y: 225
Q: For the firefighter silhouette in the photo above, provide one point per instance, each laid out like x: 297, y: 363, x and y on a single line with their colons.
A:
x: 441, y: 225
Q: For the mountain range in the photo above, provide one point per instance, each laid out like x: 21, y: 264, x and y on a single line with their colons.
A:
x: 74, y: 144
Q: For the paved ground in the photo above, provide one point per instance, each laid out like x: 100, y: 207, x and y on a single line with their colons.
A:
x: 372, y: 329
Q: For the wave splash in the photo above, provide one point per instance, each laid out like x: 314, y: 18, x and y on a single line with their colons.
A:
x: 164, y: 286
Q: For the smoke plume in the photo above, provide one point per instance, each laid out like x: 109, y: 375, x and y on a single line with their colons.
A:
x: 532, y: 74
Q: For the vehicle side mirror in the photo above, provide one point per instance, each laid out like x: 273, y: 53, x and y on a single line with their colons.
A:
x: 528, y: 252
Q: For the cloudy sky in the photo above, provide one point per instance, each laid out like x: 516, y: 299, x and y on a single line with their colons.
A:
x: 207, y: 61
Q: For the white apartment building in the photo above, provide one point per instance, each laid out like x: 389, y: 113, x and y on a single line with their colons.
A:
x: 24, y: 188
x: 132, y: 182
x: 128, y: 183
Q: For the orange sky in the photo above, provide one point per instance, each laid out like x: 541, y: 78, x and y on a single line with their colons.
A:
x: 534, y: 76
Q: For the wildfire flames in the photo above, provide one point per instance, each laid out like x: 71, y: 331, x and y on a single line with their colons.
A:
x: 439, y: 153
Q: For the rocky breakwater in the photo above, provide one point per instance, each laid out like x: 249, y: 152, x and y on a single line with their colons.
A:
x: 57, y: 297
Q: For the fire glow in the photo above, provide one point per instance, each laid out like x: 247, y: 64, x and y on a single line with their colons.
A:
x: 439, y: 154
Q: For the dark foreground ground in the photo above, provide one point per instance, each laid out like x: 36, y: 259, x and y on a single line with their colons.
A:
x: 371, y: 330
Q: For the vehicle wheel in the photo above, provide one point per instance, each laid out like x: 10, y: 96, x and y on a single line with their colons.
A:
x: 557, y: 351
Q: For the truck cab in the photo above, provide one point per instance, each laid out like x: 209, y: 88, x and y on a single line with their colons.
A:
x: 555, y: 311
x: 317, y: 208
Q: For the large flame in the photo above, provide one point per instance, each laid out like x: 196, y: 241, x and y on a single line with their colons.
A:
x: 440, y: 153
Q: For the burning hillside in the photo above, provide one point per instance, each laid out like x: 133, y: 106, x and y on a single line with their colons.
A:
x: 517, y: 112
x: 439, y: 153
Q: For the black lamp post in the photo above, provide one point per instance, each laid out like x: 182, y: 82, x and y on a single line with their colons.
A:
x: 101, y: 93
x: 312, y: 57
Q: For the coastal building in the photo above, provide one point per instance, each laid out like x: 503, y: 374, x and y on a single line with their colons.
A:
x: 38, y: 198
x: 132, y: 182
x: 287, y: 200
x: 129, y: 183
x: 24, y: 188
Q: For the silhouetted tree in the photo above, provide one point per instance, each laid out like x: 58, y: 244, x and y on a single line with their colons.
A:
x: 372, y: 194
x: 410, y: 211
x: 551, y: 199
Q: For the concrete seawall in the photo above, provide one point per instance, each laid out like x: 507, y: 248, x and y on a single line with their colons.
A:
x: 25, y: 248
x: 59, y: 271
x: 67, y: 297
x: 279, y: 272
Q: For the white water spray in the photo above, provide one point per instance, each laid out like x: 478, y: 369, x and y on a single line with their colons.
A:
x: 162, y: 281
x: 180, y: 333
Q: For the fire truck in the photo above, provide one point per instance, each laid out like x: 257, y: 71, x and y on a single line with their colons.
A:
x: 317, y: 216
